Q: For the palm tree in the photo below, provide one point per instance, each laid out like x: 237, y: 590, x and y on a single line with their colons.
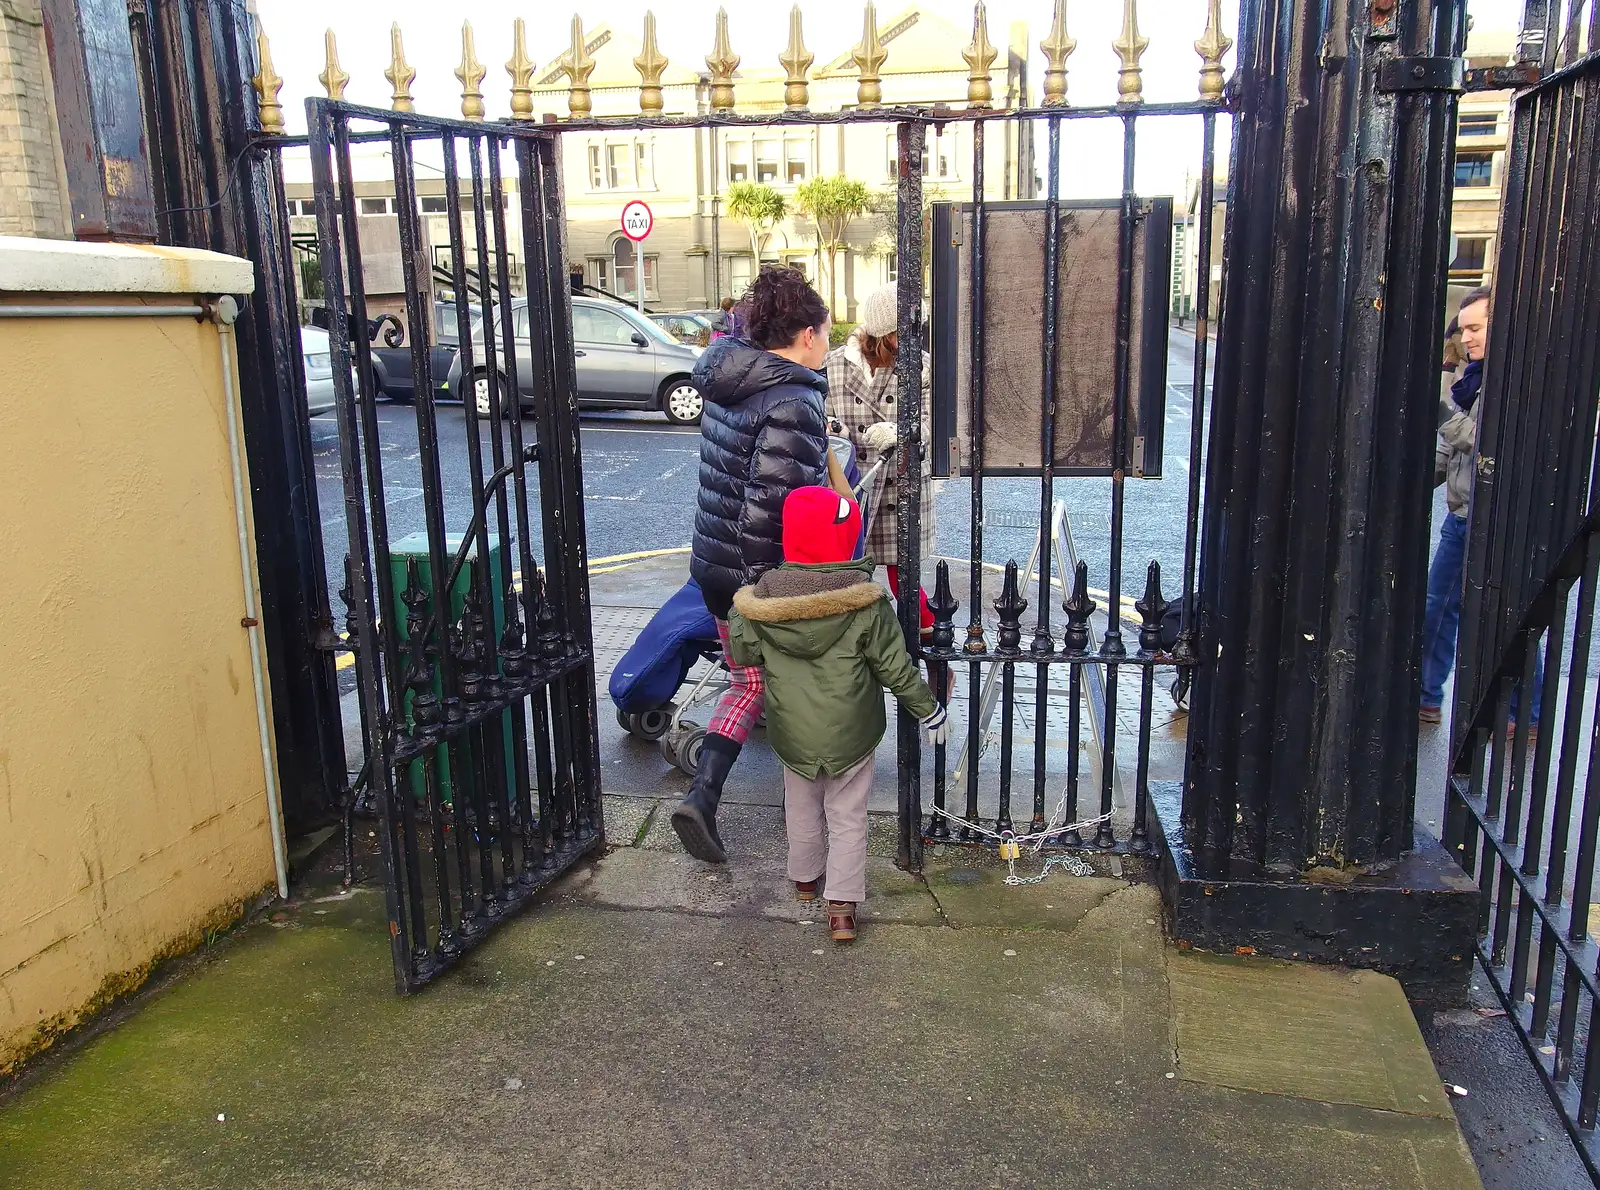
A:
x: 760, y: 208
x: 831, y: 204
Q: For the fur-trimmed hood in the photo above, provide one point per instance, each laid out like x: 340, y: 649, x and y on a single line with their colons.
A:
x: 804, y: 610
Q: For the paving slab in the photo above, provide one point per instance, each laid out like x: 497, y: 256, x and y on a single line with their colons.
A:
x: 592, y: 1047
x: 1322, y: 1033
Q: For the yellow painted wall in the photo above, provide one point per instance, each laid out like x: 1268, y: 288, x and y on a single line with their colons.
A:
x: 133, y: 811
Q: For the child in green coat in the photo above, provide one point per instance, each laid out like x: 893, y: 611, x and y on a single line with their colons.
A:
x: 826, y: 637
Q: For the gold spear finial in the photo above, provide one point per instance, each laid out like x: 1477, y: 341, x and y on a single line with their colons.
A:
x: 400, y: 73
x: 470, y: 72
x: 520, y: 68
x: 1057, y: 49
x: 332, y: 78
x: 267, y: 83
x: 1211, y: 46
x: 650, y: 64
x: 722, y: 63
x: 1130, y: 47
x: 579, y: 67
x: 980, y: 56
x: 869, y: 58
x: 797, y: 61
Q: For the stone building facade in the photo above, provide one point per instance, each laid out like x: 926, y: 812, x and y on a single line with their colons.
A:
x: 33, y: 185
x: 696, y: 254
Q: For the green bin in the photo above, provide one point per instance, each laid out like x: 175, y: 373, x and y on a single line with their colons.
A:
x: 401, y: 553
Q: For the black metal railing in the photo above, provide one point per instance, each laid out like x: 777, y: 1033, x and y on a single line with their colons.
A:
x: 477, y: 697
x: 1055, y: 667
x: 1522, y: 800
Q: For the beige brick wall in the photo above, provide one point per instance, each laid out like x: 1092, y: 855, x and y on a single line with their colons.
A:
x: 32, y: 191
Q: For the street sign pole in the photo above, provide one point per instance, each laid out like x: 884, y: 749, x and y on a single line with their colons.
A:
x: 637, y: 220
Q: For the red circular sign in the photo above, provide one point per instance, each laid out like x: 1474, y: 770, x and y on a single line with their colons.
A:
x: 637, y: 220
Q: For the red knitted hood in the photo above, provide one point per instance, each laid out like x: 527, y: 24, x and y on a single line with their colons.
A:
x: 819, y: 526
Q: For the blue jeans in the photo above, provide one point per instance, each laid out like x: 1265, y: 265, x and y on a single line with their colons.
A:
x: 1443, y: 618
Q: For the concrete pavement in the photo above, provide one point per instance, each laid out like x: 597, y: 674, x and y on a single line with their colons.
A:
x: 659, y: 1023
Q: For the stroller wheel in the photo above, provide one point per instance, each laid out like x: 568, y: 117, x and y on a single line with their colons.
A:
x: 1180, y: 693
x: 761, y: 719
x: 652, y: 725
x: 649, y: 726
x: 682, y: 748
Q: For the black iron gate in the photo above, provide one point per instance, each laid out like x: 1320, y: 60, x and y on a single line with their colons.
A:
x: 1524, y: 804
x: 474, y: 663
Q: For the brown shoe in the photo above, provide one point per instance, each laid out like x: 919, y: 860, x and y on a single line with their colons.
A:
x: 1431, y: 714
x: 842, y: 920
x: 806, y: 890
x: 1533, y: 732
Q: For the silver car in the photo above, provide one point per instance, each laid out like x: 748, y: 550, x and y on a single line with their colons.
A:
x: 624, y: 361
x: 316, y: 355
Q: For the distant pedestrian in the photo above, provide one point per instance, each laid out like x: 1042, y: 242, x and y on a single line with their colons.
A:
x: 1455, y: 466
x: 728, y: 322
x: 762, y: 436
x: 862, y: 388
x: 828, y: 643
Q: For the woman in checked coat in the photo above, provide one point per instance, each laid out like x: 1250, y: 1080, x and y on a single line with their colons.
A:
x: 861, y: 397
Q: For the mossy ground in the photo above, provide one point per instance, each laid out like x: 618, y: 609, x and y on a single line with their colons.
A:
x: 631, y: 1032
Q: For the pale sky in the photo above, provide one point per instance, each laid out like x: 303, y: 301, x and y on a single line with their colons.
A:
x: 1169, y: 149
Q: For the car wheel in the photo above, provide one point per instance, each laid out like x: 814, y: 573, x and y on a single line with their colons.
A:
x: 480, y: 396
x: 682, y: 403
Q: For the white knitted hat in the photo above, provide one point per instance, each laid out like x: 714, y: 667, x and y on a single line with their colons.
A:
x: 880, y: 312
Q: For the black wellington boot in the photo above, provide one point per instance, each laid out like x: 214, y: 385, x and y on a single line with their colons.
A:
x: 695, y: 819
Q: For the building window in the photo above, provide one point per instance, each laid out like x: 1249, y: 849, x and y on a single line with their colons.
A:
x: 1478, y: 124
x: 891, y: 268
x: 798, y: 264
x: 767, y: 161
x: 796, y: 161
x: 739, y: 275
x: 943, y: 163
x: 1474, y: 169
x: 738, y: 161
x: 374, y: 206
x: 621, y: 270
x: 435, y: 204
x: 620, y: 165
x: 1471, y: 257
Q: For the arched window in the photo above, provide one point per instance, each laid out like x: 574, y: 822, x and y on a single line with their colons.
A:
x: 624, y: 262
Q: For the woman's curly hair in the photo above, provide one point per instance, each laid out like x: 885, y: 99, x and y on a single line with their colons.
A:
x: 778, y: 306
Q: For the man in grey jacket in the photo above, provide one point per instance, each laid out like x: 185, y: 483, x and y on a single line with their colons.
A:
x: 1455, y: 465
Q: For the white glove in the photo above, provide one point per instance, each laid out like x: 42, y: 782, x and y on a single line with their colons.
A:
x: 881, y: 437
x: 937, y: 727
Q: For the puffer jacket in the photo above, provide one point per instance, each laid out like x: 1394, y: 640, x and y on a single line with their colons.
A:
x: 1454, y: 454
x: 761, y: 436
x: 828, y: 643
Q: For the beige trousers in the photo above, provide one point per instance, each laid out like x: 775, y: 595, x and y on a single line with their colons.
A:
x: 827, y: 821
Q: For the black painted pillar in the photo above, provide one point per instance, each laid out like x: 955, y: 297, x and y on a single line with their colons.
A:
x: 1315, y: 552
x: 224, y: 191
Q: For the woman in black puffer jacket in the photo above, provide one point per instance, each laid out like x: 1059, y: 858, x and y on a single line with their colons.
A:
x: 762, y: 435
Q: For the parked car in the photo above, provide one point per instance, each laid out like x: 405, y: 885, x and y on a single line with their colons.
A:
x: 391, y: 366
x: 691, y: 328
x: 318, y: 361
x: 624, y: 361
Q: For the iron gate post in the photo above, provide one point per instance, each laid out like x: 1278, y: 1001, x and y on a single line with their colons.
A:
x: 224, y: 191
x: 1295, y: 831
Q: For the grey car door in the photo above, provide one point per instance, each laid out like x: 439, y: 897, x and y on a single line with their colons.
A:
x: 611, y: 366
x: 526, y: 381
